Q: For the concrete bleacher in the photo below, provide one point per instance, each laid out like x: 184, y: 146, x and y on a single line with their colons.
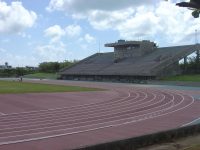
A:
x: 150, y: 64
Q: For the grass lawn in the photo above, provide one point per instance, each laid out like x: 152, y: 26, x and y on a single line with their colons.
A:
x: 25, y: 87
x: 42, y: 76
x: 196, y: 147
x: 194, y: 78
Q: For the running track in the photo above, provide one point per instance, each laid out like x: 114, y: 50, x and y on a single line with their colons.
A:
x: 58, y: 121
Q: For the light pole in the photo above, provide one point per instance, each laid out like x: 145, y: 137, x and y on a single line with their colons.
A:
x: 196, y: 42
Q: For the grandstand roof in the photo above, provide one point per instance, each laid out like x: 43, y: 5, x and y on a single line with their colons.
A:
x: 126, y: 43
x: 148, y: 65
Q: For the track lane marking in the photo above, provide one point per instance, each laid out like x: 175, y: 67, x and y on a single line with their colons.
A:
x: 65, y: 108
x: 58, y: 108
x: 51, y: 117
x: 77, y: 120
x: 144, y: 114
x: 64, y: 134
x: 2, y: 113
x: 67, y: 111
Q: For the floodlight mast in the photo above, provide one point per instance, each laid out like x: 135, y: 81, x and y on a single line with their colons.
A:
x: 196, y: 38
x: 99, y: 47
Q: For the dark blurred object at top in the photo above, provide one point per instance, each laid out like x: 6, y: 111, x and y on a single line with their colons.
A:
x: 194, y: 5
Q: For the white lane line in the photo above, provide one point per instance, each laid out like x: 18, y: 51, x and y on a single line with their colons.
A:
x: 90, y: 117
x: 2, y: 113
x: 103, y: 114
x: 187, y: 124
x: 36, y: 120
x: 92, y: 129
x: 72, y: 107
x: 162, y: 110
x: 73, y: 120
x: 136, y: 118
x: 49, y: 115
x: 58, y: 108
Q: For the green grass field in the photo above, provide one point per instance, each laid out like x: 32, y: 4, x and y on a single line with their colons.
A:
x: 193, y: 78
x: 42, y: 76
x: 196, y: 147
x: 7, y: 87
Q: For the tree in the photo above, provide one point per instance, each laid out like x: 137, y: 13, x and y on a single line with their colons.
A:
x: 192, y: 67
x: 20, y: 71
x: 196, y: 13
x: 53, y: 67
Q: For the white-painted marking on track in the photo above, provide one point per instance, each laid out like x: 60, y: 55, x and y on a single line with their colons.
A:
x: 113, y: 125
x: 2, y: 113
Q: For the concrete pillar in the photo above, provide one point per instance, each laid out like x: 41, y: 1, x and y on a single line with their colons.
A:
x: 185, y: 60
x: 198, y: 55
x: 185, y: 63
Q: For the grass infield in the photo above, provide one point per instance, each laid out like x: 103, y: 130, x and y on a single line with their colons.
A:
x: 193, y: 78
x: 42, y: 76
x: 196, y: 147
x: 9, y: 87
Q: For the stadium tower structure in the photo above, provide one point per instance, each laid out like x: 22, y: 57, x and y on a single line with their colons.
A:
x: 131, y: 61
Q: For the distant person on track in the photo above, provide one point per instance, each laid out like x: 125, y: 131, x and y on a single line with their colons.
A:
x: 20, y: 79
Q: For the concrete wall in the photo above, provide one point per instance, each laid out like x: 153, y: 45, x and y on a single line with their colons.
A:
x: 134, y: 50
x: 109, y: 78
x: 170, y: 70
x: 146, y: 140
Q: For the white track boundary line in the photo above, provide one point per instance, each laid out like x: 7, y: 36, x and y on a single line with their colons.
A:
x: 67, y: 117
x: 2, y: 114
x: 50, y: 114
x: 71, y: 107
x: 90, y: 117
x: 103, y: 122
x: 67, y: 121
x: 103, y: 114
x: 65, y: 111
x: 187, y: 124
x: 115, y: 125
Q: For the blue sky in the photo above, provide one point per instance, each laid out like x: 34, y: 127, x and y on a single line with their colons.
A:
x: 34, y: 31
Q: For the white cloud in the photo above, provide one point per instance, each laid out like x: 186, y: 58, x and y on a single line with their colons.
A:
x: 84, y: 46
x: 15, y: 18
x: 163, y: 23
x: 146, y: 19
x: 24, y: 35
x: 51, y: 52
x: 73, y: 30
x: 55, y: 32
x: 42, y: 53
x: 88, y: 38
x: 2, y: 50
x: 77, y: 6
x: 16, y: 60
x: 102, y: 20
x: 5, y: 40
x: 143, y: 24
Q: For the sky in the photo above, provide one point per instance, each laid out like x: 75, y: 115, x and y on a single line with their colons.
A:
x: 36, y: 31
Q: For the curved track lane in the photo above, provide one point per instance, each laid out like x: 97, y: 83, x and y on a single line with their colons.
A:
x: 135, y: 111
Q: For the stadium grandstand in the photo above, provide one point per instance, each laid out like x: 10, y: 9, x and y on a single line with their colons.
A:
x: 130, y: 61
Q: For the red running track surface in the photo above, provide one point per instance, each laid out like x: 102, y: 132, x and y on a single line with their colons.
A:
x: 57, y: 121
